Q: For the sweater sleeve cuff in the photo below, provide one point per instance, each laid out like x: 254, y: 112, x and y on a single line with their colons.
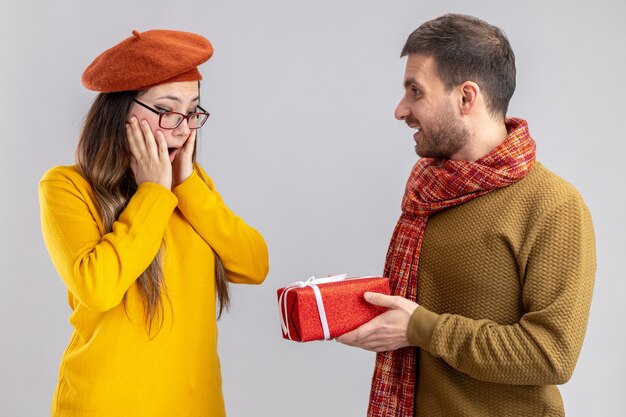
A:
x: 421, y: 327
x: 159, y: 191
x: 189, y: 186
x: 152, y: 204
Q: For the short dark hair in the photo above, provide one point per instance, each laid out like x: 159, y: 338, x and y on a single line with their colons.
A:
x: 465, y: 48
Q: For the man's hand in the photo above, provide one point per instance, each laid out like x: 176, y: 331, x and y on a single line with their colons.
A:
x: 389, y: 331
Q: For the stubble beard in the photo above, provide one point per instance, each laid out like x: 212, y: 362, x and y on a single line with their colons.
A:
x: 444, y: 139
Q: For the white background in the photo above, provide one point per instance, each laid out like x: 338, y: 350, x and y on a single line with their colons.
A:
x: 302, y: 144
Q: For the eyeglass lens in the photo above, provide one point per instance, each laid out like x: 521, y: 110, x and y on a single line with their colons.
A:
x: 172, y: 120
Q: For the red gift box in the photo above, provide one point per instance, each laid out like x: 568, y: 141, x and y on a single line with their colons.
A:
x: 325, y: 308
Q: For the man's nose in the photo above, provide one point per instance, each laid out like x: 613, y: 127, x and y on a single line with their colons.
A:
x: 402, y: 110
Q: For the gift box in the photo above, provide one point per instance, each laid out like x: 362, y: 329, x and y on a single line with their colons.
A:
x: 325, y: 308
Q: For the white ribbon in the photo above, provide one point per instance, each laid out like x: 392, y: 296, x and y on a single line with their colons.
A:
x: 311, y: 282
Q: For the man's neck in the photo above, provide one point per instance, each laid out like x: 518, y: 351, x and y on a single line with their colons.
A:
x: 483, y: 139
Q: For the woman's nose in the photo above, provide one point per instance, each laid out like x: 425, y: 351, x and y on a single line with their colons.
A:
x: 183, y: 128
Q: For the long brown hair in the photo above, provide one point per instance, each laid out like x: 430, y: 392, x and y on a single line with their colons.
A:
x: 103, y: 158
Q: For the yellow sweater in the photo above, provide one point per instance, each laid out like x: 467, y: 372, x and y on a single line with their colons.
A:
x: 111, y: 368
x: 505, y: 285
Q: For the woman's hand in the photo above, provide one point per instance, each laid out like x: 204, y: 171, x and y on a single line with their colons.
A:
x: 149, y: 159
x: 183, y: 163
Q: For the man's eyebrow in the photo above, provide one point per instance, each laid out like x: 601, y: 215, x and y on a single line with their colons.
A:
x: 174, y: 98
x: 412, y: 81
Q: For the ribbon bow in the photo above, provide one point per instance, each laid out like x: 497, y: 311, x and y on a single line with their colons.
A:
x: 311, y: 282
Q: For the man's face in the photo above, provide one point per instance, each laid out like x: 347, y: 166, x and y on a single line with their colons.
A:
x: 428, y: 108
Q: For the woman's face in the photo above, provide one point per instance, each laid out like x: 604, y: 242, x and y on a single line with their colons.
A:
x: 181, y: 97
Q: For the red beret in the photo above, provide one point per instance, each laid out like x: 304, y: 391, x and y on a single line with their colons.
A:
x: 147, y: 59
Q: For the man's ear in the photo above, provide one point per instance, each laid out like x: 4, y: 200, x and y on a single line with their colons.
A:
x: 469, y: 93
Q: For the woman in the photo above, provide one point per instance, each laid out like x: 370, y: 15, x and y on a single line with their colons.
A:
x: 143, y: 241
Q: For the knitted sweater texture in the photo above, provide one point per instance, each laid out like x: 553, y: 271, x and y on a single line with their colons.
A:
x: 505, y: 285
x: 111, y: 367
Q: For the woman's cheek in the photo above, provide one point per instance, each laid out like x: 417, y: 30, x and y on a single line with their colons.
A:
x: 131, y: 115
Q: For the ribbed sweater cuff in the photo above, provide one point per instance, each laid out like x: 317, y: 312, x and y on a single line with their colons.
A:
x: 421, y: 327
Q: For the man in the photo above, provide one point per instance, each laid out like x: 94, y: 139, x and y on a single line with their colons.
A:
x: 492, y: 261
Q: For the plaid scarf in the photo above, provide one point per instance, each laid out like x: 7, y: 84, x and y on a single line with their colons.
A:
x: 435, y: 185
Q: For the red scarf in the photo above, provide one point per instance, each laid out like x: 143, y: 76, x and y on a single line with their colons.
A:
x: 435, y: 185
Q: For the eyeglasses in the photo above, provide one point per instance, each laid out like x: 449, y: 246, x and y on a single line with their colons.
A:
x: 172, y: 119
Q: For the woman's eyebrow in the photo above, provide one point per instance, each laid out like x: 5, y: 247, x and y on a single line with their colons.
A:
x: 174, y: 98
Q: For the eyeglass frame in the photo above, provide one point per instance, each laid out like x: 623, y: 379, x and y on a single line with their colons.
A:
x: 184, y: 117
